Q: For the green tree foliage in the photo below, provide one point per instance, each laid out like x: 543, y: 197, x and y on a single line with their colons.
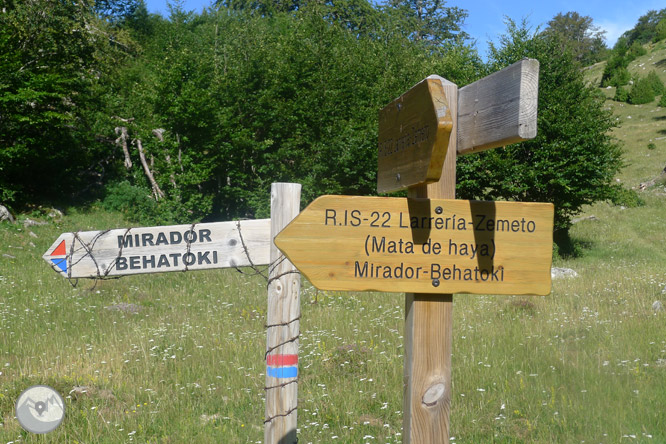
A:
x: 625, y: 51
x: 429, y: 21
x: 116, y: 11
x: 50, y: 64
x: 621, y: 94
x: 642, y: 91
x: 635, y: 51
x: 573, y: 159
x: 655, y: 83
x: 578, y: 35
x: 616, y: 72
x: 247, y: 99
x: 645, y: 30
x: 660, y: 30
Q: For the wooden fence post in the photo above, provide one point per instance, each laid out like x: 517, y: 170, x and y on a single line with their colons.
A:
x: 284, y: 311
x: 428, y: 328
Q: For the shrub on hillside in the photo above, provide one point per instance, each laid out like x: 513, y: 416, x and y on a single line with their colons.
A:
x: 641, y: 92
x: 574, y: 158
x: 636, y: 50
x: 616, y: 72
x: 621, y: 94
x: 660, y: 31
x: 655, y: 83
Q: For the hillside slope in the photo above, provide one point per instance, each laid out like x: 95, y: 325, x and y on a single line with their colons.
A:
x: 642, y: 128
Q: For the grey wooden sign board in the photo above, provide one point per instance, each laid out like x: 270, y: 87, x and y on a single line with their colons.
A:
x: 127, y: 251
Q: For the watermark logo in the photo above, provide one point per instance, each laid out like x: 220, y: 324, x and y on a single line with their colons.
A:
x: 40, y: 409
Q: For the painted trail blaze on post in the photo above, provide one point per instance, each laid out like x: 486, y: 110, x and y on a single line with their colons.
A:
x: 282, y: 366
x: 58, y: 257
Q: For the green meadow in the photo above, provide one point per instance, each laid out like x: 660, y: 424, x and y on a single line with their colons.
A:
x: 179, y: 357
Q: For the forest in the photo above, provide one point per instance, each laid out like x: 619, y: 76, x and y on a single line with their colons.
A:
x: 192, y: 117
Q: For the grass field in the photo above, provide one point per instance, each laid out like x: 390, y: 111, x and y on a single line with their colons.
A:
x: 179, y: 357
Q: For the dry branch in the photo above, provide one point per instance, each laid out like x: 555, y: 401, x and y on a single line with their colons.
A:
x: 122, y: 140
x: 156, y: 188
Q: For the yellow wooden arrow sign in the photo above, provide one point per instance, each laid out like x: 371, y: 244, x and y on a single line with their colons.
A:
x: 386, y: 244
x: 413, y: 137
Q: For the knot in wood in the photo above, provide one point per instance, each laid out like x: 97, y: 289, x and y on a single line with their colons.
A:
x: 434, y: 394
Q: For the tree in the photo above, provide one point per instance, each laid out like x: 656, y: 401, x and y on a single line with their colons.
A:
x: 247, y: 99
x: 645, y: 30
x: 660, y: 30
x: 655, y: 83
x: 578, y: 35
x: 642, y: 91
x: 429, y: 21
x: 116, y: 11
x: 49, y: 69
x: 572, y: 161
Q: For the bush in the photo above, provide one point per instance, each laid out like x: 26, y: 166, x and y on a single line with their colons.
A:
x: 621, y: 95
x: 655, y: 83
x: 652, y: 146
x: 573, y: 160
x: 134, y: 202
x: 641, y: 92
x: 636, y: 50
x: 616, y: 72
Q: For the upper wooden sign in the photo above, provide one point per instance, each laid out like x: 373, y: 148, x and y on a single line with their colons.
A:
x: 499, y: 109
x: 422, y: 245
x: 124, y: 251
x: 414, y: 129
x: 414, y: 134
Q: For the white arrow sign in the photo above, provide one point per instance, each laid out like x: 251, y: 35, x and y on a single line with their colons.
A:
x: 125, y: 251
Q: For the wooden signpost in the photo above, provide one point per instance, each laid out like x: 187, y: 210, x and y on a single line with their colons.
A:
x: 126, y: 251
x: 429, y: 245
x: 413, y: 137
x: 353, y: 243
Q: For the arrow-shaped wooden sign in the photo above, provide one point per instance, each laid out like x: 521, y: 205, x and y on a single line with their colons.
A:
x: 422, y: 245
x: 414, y: 129
x: 125, y: 251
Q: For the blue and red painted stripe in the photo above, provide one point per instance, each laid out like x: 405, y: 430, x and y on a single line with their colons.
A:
x: 282, y: 366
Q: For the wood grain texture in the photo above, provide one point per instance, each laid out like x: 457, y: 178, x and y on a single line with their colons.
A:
x: 499, y: 109
x: 428, y: 333
x: 284, y: 311
x: 413, y: 137
x: 334, y: 238
x: 127, y: 251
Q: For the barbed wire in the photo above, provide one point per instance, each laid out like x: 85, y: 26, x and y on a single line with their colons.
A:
x: 268, y: 273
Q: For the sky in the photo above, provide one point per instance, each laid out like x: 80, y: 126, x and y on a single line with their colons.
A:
x: 486, y: 17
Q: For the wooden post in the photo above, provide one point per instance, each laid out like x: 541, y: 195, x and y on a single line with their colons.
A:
x: 428, y: 328
x: 284, y: 310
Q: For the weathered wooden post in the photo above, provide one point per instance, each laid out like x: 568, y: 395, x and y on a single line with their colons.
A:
x: 284, y: 312
x: 431, y: 109
x: 198, y: 246
x: 428, y: 245
x: 428, y: 318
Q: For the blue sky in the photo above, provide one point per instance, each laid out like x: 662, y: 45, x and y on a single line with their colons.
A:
x: 486, y: 17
